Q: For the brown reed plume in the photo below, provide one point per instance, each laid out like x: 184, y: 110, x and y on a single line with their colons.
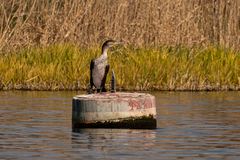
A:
x: 25, y: 23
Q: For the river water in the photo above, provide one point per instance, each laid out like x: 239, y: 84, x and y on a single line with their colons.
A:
x: 191, y: 125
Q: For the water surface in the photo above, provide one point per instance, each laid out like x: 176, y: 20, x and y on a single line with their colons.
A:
x: 191, y: 125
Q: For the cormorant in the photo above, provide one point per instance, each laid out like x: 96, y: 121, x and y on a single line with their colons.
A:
x: 99, y: 68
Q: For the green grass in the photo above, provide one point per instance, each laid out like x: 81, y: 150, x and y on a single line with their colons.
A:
x: 66, y: 67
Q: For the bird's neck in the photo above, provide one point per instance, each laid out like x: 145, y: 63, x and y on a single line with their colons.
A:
x: 104, y: 51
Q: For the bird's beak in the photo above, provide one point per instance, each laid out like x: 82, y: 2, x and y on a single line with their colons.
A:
x: 116, y: 43
x: 119, y: 43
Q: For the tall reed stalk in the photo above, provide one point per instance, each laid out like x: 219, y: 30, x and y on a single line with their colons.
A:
x: 26, y: 23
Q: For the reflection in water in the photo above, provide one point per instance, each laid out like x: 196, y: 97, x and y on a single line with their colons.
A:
x: 37, y: 125
x: 103, y: 142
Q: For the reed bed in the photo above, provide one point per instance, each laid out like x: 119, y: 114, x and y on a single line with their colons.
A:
x: 66, y: 67
x: 48, y: 44
x: 26, y: 23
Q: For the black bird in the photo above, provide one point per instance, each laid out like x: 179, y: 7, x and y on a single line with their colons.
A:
x: 99, y: 68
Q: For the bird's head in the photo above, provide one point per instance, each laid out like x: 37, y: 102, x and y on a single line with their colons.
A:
x: 110, y: 43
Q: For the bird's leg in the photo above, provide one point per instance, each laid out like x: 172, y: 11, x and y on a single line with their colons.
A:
x: 90, y: 89
x: 103, y: 89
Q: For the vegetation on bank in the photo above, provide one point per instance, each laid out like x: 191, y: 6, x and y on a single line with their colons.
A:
x: 27, y: 24
x: 66, y: 67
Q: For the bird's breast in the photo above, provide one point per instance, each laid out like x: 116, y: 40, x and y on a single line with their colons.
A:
x: 98, y: 72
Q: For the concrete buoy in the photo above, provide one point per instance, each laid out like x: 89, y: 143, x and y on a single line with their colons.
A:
x: 114, y: 110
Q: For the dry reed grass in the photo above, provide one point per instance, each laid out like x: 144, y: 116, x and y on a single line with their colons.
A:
x: 25, y: 23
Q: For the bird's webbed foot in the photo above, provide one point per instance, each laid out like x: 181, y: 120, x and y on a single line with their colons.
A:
x: 98, y: 90
x: 103, y: 90
x: 90, y: 90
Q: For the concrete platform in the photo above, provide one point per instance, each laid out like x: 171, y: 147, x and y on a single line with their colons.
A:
x: 114, y: 110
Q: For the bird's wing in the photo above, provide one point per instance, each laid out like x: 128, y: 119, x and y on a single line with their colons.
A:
x: 92, y: 64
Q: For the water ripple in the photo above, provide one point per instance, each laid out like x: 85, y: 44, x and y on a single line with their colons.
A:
x: 191, y: 125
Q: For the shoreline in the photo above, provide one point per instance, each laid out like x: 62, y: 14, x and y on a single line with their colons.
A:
x: 203, y: 89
